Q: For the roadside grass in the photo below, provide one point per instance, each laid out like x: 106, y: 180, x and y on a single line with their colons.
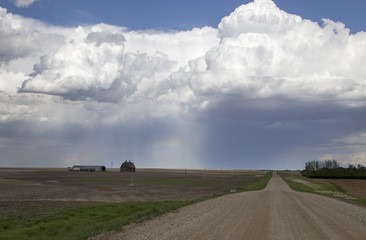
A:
x: 260, y: 184
x: 45, y: 220
x: 319, y: 186
x: 250, y: 185
x: 81, y: 220
x: 360, y: 201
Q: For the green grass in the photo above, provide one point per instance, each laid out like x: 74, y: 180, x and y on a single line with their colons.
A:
x: 302, y: 184
x: 238, y: 184
x: 359, y: 201
x: 44, y: 220
x: 298, y: 186
x: 81, y: 220
x: 310, y: 186
x: 260, y: 184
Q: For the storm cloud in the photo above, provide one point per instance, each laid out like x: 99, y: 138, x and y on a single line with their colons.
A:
x: 266, y: 89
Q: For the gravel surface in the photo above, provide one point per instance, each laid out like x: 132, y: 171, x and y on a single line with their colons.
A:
x: 277, y: 212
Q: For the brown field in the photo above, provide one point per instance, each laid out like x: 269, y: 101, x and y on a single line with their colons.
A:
x: 113, y: 186
x: 355, y: 187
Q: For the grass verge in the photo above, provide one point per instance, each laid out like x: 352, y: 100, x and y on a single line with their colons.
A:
x: 260, y: 184
x: 81, y: 220
x: 317, y: 186
x: 52, y: 220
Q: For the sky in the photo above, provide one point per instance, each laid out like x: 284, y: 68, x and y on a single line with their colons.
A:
x: 195, y: 84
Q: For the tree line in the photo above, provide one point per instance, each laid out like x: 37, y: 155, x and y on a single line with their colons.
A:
x: 331, y: 169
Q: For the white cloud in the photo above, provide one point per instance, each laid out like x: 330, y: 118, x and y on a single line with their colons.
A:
x: 24, y: 3
x: 83, y: 62
x: 12, y: 44
x: 346, y: 159
x: 265, y: 52
x: 260, y: 16
x: 22, y: 37
x: 93, y: 64
x: 264, y: 84
x: 179, y: 46
x: 10, y: 81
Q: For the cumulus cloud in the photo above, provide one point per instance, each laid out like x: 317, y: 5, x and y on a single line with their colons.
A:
x: 266, y: 89
x: 180, y: 46
x: 93, y: 64
x: 21, y: 37
x: 260, y: 16
x: 265, y: 52
x: 83, y: 62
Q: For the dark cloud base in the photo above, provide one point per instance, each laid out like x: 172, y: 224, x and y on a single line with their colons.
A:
x: 232, y: 134
x: 252, y: 134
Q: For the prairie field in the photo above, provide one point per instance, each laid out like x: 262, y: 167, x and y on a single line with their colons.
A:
x: 355, y: 187
x: 114, y: 186
x: 62, y: 204
x: 353, y: 190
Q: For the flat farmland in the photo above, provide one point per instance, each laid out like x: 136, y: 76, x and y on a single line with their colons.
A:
x: 355, y: 187
x: 276, y: 212
x: 61, y: 204
x: 113, y: 186
x: 58, y: 204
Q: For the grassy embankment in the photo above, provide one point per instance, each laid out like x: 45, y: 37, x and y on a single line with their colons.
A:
x: 318, y: 186
x: 80, y: 220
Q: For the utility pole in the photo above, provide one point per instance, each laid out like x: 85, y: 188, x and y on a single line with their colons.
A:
x: 132, y: 178
x: 185, y: 183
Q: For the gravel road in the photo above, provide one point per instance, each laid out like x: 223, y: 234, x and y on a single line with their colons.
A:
x: 277, y: 212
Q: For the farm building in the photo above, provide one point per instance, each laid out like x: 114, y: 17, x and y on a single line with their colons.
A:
x: 128, y: 167
x: 88, y: 168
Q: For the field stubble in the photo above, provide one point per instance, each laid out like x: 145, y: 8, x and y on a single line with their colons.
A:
x: 49, y: 203
x: 353, y: 190
x: 113, y: 186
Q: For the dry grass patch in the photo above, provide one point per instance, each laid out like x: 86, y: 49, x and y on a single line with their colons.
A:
x: 95, y: 203
x: 355, y: 187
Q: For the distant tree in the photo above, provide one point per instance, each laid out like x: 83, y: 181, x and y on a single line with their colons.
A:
x: 331, y: 169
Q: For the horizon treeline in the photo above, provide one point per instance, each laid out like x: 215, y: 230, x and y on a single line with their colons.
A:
x: 331, y: 169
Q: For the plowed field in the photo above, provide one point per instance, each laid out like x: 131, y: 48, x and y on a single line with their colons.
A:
x: 113, y: 186
x: 355, y: 187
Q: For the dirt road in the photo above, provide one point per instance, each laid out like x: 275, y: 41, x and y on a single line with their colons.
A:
x: 277, y: 212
